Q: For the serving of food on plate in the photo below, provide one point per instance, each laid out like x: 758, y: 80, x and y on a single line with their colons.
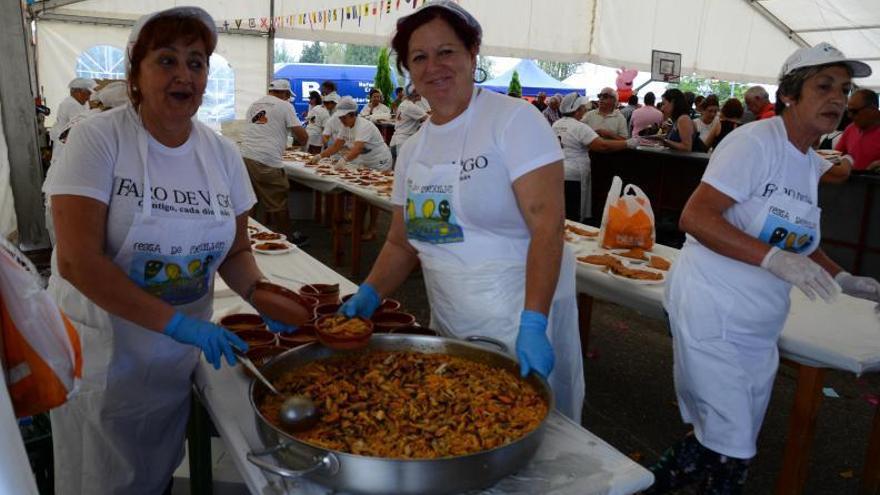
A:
x: 660, y: 263
x: 622, y: 271
x: 633, y: 254
x: 574, y: 229
x: 598, y: 260
x: 273, y: 247
x: 268, y: 236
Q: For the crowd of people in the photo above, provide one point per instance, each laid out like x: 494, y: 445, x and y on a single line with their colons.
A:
x: 148, y: 205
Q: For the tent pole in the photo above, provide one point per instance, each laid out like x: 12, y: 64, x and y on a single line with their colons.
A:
x: 20, y: 128
x: 270, y: 45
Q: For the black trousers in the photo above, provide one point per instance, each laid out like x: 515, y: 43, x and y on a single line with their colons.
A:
x: 573, y: 200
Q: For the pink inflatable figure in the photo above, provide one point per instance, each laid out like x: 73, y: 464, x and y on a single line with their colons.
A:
x: 625, y: 78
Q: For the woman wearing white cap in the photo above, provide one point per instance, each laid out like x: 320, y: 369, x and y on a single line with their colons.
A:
x: 148, y: 205
x: 357, y: 139
x: 410, y: 115
x: 577, y: 140
x: 752, y: 233
x: 478, y: 201
x: 74, y: 104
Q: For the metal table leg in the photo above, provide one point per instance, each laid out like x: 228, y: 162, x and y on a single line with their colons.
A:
x: 198, y: 439
x: 801, y: 430
x: 585, y: 320
x: 871, y: 473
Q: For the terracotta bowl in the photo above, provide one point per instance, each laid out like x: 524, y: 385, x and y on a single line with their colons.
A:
x: 243, y: 321
x: 275, y: 301
x: 327, y: 309
x: 343, y: 342
x: 257, y: 338
x: 324, y: 293
x: 392, y: 321
x: 388, y: 304
x: 304, y: 335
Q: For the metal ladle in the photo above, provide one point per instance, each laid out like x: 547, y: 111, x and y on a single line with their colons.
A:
x: 297, y: 412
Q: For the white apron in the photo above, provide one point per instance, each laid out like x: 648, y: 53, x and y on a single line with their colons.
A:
x: 726, y: 317
x: 486, y: 300
x: 124, y: 433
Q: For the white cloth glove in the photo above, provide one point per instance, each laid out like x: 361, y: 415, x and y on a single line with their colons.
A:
x: 341, y: 163
x: 802, y: 272
x: 861, y: 287
x: 632, y: 143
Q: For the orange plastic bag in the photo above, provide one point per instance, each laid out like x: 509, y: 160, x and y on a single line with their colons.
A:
x: 41, y: 353
x: 628, y: 220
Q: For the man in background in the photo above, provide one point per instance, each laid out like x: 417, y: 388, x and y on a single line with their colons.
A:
x: 540, y: 101
x: 860, y: 142
x: 758, y: 103
x: 631, y: 105
x: 73, y: 105
x: 646, y: 117
x: 270, y: 120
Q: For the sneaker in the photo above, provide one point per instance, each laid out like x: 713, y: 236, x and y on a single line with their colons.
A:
x: 300, y: 239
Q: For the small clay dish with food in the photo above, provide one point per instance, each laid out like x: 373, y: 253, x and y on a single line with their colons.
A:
x: 303, y: 335
x: 283, y: 304
x: 325, y: 293
x: 342, y: 333
x: 257, y: 338
x: 391, y: 321
x: 326, y: 309
x: 243, y: 321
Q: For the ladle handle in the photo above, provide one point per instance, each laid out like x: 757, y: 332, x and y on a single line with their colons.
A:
x: 246, y: 361
x: 327, y: 461
x: 488, y: 340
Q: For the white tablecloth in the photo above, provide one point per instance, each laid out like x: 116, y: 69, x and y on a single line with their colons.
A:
x: 571, y: 460
x: 844, y: 335
x: 309, y: 178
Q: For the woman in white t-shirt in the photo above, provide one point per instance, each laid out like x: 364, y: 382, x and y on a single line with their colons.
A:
x: 357, y: 139
x: 148, y: 205
x: 478, y: 201
x: 752, y: 233
x: 375, y: 109
x: 708, y: 117
x: 410, y: 115
x: 577, y: 140
x: 315, y: 120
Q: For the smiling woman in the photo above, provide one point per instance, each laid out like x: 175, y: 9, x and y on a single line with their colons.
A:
x: 149, y: 204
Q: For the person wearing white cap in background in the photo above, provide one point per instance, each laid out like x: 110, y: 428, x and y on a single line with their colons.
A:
x: 375, y: 109
x: 149, y: 204
x: 73, y: 104
x: 410, y: 115
x: 269, y: 121
x: 315, y: 119
x: 94, y: 102
x: 752, y: 233
x: 607, y: 120
x: 577, y: 140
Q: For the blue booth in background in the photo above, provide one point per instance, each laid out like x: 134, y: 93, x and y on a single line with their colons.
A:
x: 351, y: 80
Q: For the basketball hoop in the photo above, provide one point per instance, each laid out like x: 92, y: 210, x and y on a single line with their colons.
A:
x: 665, y: 66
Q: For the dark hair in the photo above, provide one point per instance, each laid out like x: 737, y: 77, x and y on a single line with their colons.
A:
x: 792, y: 84
x: 732, y: 109
x: 679, y: 104
x: 398, y: 90
x: 689, y: 97
x: 469, y: 35
x: 710, y: 101
x: 375, y: 90
x: 650, y: 98
x: 163, y: 31
x: 329, y: 85
x: 633, y: 100
x: 315, y: 98
x: 869, y: 95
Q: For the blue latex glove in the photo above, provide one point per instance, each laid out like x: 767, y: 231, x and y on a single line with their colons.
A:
x: 363, y: 303
x: 276, y: 326
x: 533, y: 349
x: 213, y: 340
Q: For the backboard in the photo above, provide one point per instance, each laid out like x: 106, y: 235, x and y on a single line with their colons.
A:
x: 665, y: 66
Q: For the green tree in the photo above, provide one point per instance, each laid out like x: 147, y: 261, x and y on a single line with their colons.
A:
x: 312, y: 54
x: 282, y: 56
x: 724, y: 90
x: 383, y: 76
x: 361, y: 55
x: 559, y: 70
x: 334, y: 53
x: 515, y: 88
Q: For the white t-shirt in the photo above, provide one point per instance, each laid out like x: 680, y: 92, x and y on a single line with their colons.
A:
x: 423, y: 102
x: 409, y: 120
x: 750, y: 165
x: 315, y: 120
x: 703, y: 128
x: 375, y: 153
x: 381, y: 109
x: 506, y: 139
x: 614, y: 122
x: 67, y: 110
x: 575, y: 138
x: 101, y: 162
x: 269, y: 121
x: 332, y: 125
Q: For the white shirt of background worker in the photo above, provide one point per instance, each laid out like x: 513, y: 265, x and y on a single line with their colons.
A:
x: 410, y: 115
x: 375, y: 108
x: 315, y: 119
x: 269, y: 120
x: 577, y: 140
x: 331, y: 125
x: 74, y: 104
x: 356, y: 139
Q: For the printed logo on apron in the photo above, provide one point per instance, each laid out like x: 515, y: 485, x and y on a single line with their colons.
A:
x: 174, y: 279
x: 787, y: 230
x: 428, y: 214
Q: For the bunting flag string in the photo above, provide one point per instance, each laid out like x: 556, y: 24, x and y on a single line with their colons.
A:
x: 321, y: 18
